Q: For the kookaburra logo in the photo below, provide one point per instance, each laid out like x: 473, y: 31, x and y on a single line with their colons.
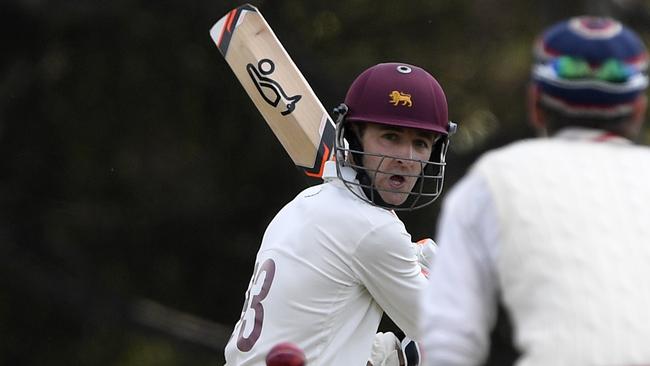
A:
x: 397, y: 97
x: 270, y: 89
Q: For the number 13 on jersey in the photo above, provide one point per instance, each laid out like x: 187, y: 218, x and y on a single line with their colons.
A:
x: 253, y: 310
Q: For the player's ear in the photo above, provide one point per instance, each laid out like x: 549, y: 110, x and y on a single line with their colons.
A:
x: 635, y: 123
x: 536, y: 116
x: 640, y: 107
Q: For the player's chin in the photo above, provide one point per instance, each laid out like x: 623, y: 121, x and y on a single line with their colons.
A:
x: 394, y: 198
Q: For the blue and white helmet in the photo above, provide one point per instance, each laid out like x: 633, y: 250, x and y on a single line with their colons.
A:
x: 590, y: 67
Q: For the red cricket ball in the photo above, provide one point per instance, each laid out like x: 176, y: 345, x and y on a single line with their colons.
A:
x: 285, y: 354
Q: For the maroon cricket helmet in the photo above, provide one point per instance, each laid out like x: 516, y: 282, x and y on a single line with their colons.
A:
x: 393, y: 94
x: 398, y: 94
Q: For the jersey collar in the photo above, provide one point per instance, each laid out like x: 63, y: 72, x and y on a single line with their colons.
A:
x: 349, y: 174
x: 590, y: 134
x: 329, y: 172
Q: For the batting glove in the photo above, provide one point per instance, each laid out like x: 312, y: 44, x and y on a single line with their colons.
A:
x: 425, y: 250
x: 386, y: 351
x: 411, y: 351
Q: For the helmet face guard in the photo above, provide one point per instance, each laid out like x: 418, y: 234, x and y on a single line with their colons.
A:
x: 399, y: 95
x: 430, y: 179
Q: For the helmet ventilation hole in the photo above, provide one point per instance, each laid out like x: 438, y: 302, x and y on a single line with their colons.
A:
x: 404, y: 69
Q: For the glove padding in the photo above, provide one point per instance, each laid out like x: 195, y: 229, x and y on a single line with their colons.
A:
x: 386, y: 351
x: 425, y: 250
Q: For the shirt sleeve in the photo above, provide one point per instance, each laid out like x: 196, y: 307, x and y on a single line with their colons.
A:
x: 385, y: 262
x: 459, y: 305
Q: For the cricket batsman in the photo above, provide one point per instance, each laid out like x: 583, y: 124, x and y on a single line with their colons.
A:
x: 337, y: 257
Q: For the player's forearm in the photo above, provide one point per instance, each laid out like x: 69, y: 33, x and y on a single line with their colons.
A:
x: 388, y: 267
x: 457, y: 311
x: 402, y: 309
x: 453, y: 345
x: 450, y: 357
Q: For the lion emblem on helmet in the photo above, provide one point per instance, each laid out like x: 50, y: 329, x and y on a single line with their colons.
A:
x: 397, y: 97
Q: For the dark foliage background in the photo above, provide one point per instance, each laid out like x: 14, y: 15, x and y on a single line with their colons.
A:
x: 136, y: 177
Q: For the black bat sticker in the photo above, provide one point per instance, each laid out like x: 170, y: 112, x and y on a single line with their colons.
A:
x: 270, y: 89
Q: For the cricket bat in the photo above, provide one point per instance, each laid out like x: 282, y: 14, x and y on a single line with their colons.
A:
x: 277, y: 87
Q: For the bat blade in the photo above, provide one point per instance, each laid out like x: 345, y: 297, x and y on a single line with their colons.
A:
x: 276, y: 86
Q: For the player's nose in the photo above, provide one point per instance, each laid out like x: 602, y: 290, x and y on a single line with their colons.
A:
x: 404, y: 153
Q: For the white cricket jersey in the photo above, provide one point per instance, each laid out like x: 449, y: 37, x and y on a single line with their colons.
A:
x: 328, y: 264
x: 558, y: 229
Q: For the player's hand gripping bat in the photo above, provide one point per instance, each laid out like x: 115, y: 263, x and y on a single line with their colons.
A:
x: 276, y: 86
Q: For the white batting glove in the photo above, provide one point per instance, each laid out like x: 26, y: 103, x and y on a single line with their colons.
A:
x: 386, y: 351
x: 425, y: 250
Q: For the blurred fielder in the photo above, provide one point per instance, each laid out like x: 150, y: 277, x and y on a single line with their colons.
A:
x: 557, y: 229
x: 337, y: 256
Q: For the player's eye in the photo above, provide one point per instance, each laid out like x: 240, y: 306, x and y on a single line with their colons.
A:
x: 390, y: 136
x: 422, y: 144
